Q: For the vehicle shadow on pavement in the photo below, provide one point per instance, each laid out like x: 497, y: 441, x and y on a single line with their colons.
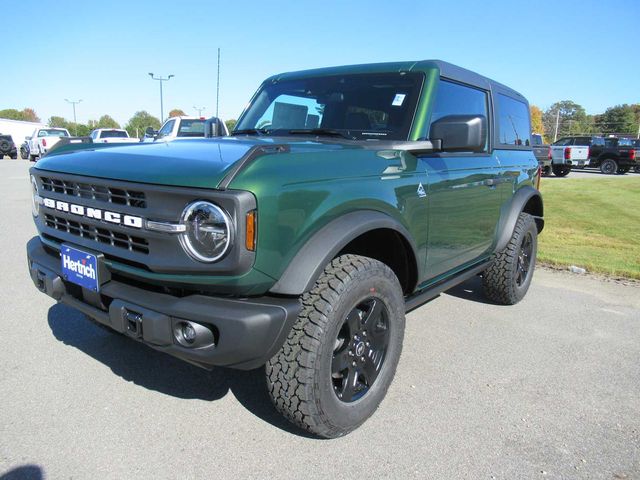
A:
x: 160, y: 372
x: 24, y: 472
x: 470, y: 290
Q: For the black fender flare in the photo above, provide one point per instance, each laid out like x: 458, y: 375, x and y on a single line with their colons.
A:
x: 518, y: 204
x: 307, y: 265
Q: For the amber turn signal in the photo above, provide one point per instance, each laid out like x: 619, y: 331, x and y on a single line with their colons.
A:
x: 251, y: 230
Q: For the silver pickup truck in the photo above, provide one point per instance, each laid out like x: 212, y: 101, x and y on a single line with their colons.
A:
x: 565, y: 156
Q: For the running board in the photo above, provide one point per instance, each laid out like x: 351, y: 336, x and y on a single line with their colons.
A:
x: 419, y: 299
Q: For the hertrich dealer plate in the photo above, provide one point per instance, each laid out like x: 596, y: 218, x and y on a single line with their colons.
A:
x: 79, y: 267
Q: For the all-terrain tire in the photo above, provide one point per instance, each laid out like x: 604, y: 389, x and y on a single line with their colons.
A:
x: 301, y: 377
x: 609, y: 166
x: 508, y: 278
x: 561, y: 170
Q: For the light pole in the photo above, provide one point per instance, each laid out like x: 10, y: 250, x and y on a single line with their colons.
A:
x: 161, y: 79
x: 200, y: 110
x: 75, y: 123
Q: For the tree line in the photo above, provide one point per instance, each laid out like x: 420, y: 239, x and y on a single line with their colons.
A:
x: 572, y: 119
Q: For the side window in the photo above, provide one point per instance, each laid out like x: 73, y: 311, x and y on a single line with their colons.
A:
x: 42, y: 133
x: 513, y: 122
x: 166, y: 129
x: 456, y: 99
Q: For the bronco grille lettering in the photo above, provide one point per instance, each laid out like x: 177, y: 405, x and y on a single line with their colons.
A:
x: 94, y: 213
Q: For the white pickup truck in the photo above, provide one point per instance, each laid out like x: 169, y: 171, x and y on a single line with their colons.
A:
x: 182, y: 127
x: 565, y: 155
x: 111, y: 135
x: 43, y: 139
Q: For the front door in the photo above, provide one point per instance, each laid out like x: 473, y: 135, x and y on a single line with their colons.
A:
x: 464, y: 200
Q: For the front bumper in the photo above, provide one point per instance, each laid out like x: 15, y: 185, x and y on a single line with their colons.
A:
x: 247, y: 331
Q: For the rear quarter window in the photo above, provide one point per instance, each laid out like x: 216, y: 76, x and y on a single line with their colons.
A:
x: 513, y: 122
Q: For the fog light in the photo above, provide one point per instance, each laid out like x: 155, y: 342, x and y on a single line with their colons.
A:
x: 192, y: 334
x: 188, y: 332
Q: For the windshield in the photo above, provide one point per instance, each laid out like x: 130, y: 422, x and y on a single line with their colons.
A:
x: 114, y: 134
x: 53, y: 133
x: 536, y: 139
x: 363, y: 106
x: 191, y: 128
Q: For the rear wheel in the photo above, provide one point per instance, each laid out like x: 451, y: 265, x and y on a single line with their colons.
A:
x: 637, y: 169
x: 507, y: 280
x: 609, y: 166
x: 561, y: 170
x: 341, y: 354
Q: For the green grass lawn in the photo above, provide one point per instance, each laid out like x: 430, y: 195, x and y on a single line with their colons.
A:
x: 592, y: 223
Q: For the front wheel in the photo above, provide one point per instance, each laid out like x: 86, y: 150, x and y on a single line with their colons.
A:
x: 561, y: 170
x: 623, y: 170
x: 609, y: 166
x: 341, y: 354
x: 636, y: 169
x: 507, y: 280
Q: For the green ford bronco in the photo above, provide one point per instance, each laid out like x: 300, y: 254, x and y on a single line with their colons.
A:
x: 344, y: 198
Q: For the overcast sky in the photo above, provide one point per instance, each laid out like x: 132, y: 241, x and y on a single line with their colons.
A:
x: 102, y: 52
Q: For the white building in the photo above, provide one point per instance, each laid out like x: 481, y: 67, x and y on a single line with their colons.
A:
x: 18, y: 129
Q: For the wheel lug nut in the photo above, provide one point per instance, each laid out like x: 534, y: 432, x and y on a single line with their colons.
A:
x: 368, y: 344
x: 353, y: 364
x: 364, y: 334
x: 350, y: 353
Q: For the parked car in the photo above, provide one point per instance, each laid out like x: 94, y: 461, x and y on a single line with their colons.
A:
x: 606, y: 153
x: 566, y: 155
x: 43, y: 139
x: 24, y: 149
x: 300, y: 242
x: 111, y: 135
x: 542, y: 153
x: 7, y: 147
x: 181, y: 127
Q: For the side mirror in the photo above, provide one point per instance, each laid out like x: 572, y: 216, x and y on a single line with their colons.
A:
x: 213, y: 127
x: 150, y: 132
x: 27, y: 138
x: 464, y: 133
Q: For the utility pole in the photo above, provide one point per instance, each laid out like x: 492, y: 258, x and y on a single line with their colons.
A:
x: 161, y: 80
x: 75, y: 123
x: 199, y: 109
x: 218, y: 85
x: 555, y: 135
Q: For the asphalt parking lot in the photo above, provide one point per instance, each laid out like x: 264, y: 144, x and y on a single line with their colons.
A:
x: 549, y: 388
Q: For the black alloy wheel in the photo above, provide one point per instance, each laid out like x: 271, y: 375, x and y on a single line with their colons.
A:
x: 360, y: 350
x: 609, y: 166
x: 524, y: 259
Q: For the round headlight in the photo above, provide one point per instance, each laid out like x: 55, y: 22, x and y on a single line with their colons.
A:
x: 208, y: 231
x: 35, y: 205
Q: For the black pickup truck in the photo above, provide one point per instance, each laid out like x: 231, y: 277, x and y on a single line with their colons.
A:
x: 611, y: 155
x: 541, y: 151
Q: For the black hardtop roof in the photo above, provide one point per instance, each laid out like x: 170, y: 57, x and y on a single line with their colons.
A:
x: 454, y: 72
x: 447, y: 70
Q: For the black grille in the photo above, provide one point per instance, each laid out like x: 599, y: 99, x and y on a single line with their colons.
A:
x: 119, y: 196
x: 98, y: 234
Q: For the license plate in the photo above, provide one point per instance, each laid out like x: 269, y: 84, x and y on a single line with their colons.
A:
x: 79, y: 267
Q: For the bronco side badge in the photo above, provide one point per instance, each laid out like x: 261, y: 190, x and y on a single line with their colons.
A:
x: 421, y: 191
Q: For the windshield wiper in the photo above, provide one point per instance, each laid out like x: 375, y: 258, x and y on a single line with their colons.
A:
x: 319, y: 131
x: 250, y: 131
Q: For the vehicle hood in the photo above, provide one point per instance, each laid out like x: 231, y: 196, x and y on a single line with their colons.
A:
x: 202, y: 163
x: 186, y: 163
